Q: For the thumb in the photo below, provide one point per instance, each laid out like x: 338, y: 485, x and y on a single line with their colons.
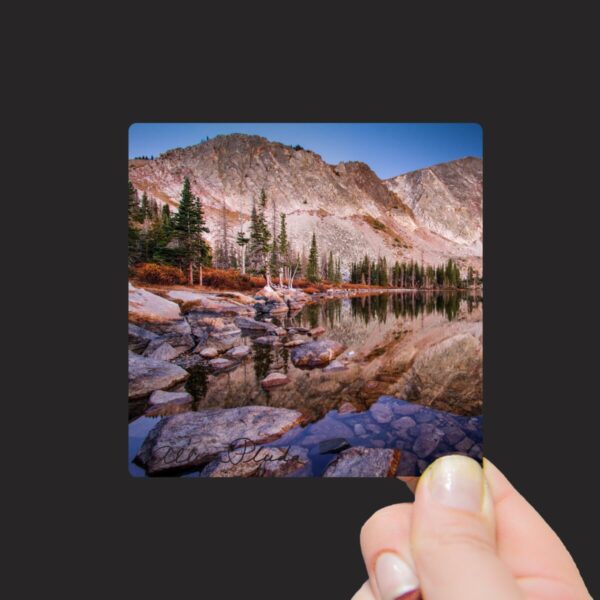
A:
x: 453, y: 538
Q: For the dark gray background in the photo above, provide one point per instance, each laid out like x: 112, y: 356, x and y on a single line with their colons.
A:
x: 85, y: 526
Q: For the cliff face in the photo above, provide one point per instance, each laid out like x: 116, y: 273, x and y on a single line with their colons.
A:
x: 349, y: 208
x: 446, y: 199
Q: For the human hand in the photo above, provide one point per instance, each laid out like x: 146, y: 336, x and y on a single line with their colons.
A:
x: 469, y: 535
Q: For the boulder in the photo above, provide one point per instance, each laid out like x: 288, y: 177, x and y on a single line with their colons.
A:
x: 316, y: 354
x: 364, y: 462
x: 216, y: 304
x: 274, y: 380
x: 139, y: 337
x: 208, y: 353
x: 164, y: 352
x: 167, y: 403
x: 238, y: 352
x: 194, y: 438
x: 316, y: 331
x: 251, y: 460
x: 145, y: 306
x: 254, y: 325
x: 295, y: 342
x: 148, y: 374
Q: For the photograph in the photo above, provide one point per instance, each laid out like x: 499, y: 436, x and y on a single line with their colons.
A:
x: 304, y: 299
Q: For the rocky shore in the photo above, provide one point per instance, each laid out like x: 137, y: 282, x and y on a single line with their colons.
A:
x: 173, y: 332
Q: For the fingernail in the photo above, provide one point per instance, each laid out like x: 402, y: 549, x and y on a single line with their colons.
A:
x: 395, y: 579
x: 457, y: 482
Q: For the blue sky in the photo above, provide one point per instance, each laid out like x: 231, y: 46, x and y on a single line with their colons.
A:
x: 388, y: 148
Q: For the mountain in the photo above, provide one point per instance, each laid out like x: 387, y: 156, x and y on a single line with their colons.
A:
x: 432, y: 214
x: 446, y: 199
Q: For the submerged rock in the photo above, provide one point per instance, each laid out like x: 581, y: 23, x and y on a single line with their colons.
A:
x: 274, y: 380
x: 333, y: 446
x: 382, y: 412
x: 316, y: 354
x: 364, y: 462
x: 251, y: 460
x: 148, y: 374
x: 194, y: 438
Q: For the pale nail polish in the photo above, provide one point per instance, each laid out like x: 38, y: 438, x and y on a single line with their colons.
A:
x: 395, y: 579
x: 457, y: 482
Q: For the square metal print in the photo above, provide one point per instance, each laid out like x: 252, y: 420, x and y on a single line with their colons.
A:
x: 305, y: 299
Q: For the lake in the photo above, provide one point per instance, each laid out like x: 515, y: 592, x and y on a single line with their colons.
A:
x: 415, y: 357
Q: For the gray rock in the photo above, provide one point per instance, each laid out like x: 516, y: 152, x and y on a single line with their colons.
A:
x: 139, y: 337
x: 364, y: 462
x: 316, y: 354
x: 260, y: 461
x: 164, y: 352
x: 335, y: 365
x: 194, y: 438
x: 254, y: 325
x: 210, y: 352
x: 238, y: 352
x: 148, y: 374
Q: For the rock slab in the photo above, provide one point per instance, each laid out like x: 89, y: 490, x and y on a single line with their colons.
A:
x: 364, y: 462
x: 194, y: 438
x: 148, y: 374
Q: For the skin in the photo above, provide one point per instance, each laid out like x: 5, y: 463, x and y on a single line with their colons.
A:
x: 504, y: 551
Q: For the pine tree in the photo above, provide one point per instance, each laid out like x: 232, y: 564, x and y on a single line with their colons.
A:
x: 285, y: 257
x: 132, y: 215
x: 260, y: 237
x: 330, y: 267
x: 312, y: 268
x: 188, y: 229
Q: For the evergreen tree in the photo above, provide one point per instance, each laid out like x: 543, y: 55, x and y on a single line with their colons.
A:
x: 132, y: 215
x: 312, y: 268
x: 260, y: 237
x: 330, y: 267
x: 188, y: 229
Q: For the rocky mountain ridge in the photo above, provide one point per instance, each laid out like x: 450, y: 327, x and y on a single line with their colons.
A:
x: 432, y: 214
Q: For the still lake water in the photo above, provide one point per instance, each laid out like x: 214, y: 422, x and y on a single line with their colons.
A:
x: 383, y: 334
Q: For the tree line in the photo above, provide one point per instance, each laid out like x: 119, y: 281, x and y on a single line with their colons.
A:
x: 158, y: 236
x: 411, y: 274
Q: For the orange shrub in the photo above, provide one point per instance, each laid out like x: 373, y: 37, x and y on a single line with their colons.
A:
x: 230, y: 279
x: 160, y: 274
